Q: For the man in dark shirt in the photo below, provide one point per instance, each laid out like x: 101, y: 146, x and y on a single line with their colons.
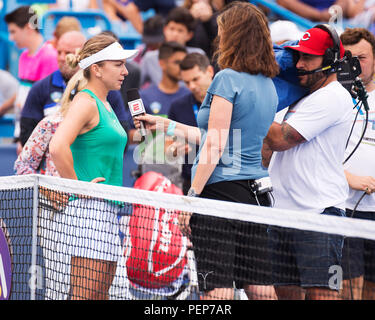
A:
x: 44, y: 96
x: 161, y: 7
x: 197, y: 73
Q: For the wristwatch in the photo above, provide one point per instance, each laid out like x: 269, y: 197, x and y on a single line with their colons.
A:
x: 192, y: 193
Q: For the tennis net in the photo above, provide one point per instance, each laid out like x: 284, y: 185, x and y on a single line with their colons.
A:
x: 62, y: 239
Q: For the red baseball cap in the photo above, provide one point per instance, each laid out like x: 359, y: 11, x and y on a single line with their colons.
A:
x: 315, y: 41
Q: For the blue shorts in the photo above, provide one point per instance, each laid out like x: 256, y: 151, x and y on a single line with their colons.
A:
x: 358, y: 257
x: 306, y: 258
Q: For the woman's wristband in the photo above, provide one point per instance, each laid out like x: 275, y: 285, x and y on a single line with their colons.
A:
x: 171, y: 127
x: 192, y: 193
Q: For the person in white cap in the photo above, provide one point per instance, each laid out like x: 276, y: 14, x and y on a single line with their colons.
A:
x: 284, y: 30
x: 89, y: 146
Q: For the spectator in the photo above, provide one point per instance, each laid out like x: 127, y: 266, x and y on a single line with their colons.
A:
x: 307, y: 172
x: 361, y: 13
x: 284, y: 30
x: 77, y: 5
x: 162, y: 7
x: 119, y: 11
x: 206, y: 26
x: 158, y: 98
x: 197, y: 73
x: 220, y: 4
x: 359, y: 254
x: 65, y: 24
x: 315, y: 10
x: 8, y: 91
x: 89, y: 146
x: 116, y: 10
x: 152, y: 36
x: 179, y: 27
x: 234, y: 100
x: 358, y: 12
x: 44, y: 96
x: 35, y: 63
x: 35, y: 157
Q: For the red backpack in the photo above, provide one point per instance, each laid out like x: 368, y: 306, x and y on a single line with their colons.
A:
x: 157, y: 247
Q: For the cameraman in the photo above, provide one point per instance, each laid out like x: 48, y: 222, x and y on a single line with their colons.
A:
x: 359, y: 254
x: 307, y: 172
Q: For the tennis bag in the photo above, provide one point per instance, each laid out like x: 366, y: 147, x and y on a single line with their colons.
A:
x: 157, y: 254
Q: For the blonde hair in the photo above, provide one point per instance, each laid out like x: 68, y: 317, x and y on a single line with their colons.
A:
x: 77, y: 83
x: 66, y: 24
x: 91, y: 46
x: 80, y: 79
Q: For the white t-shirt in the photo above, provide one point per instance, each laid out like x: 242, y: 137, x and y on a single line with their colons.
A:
x: 77, y: 4
x: 310, y: 176
x: 361, y: 163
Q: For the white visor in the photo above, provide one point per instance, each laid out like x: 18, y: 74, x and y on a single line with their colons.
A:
x: 113, y: 52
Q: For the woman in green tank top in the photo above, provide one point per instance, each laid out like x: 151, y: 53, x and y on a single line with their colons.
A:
x: 89, y: 146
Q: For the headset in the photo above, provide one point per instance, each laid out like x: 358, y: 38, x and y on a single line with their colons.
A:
x: 331, y: 57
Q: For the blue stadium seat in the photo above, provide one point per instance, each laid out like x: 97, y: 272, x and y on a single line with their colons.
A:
x: 92, y: 21
x: 7, y: 126
x: 129, y: 167
x: 8, y: 156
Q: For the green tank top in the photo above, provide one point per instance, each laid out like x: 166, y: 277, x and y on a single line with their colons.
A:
x: 100, y: 151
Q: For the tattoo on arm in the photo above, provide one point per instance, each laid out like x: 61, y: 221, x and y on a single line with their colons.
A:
x: 266, y: 154
x: 291, y: 135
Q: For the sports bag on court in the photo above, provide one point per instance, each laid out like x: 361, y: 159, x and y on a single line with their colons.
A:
x: 157, y: 254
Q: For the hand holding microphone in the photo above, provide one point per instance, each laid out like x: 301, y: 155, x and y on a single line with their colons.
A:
x: 136, y: 108
x: 142, y: 121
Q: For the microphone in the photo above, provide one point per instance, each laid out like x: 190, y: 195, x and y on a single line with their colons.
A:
x: 303, y: 72
x: 136, y: 108
x: 333, y: 67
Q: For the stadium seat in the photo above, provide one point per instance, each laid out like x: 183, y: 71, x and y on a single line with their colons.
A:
x: 7, y: 126
x: 92, y: 21
x: 8, y: 156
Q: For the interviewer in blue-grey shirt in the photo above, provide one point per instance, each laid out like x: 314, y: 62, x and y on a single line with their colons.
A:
x: 233, y: 120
